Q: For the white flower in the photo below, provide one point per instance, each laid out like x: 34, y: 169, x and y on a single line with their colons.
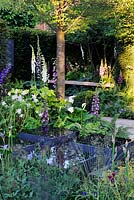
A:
x: 40, y: 114
x: 51, y: 160
x: 126, y: 143
x: 5, y: 147
x: 9, y: 93
x: 34, y: 98
x: 14, y: 97
x: 18, y: 111
x: 30, y: 156
x: 66, y: 164
x: 83, y: 105
x: 124, y: 150
x: 3, y: 103
x: 19, y: 98
x: 71, y: 109
x: 21, y: 115
x: 24, y: 92
x: 44, y: 70
x: 33, y: 60
x: 127, y: 157
x: 71, y: 99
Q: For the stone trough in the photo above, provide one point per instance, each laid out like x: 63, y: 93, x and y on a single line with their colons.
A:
x: 66, y: 152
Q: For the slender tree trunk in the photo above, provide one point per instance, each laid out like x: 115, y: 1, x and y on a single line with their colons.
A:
x: 60, y: 63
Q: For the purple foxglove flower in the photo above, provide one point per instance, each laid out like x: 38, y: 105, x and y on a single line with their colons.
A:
x: 45, y: 118
x: 4, y: 73
x: 95, y: 105
x: 120, y: 80
x: 54, y: 77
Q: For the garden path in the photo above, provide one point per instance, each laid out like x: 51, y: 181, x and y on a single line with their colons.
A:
x: 125, y: 123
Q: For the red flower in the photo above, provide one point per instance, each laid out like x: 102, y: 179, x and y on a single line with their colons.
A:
x: 112, y: 177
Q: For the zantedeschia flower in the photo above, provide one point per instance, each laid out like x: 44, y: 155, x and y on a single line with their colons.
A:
x: 83, y: 105
x: 9, y: 93
x: 71, y: 109
x: 71, y: 99
x: 21, y: 115
x: 18, y: 111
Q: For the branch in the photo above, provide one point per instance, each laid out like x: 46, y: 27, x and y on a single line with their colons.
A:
x: 77, y: 19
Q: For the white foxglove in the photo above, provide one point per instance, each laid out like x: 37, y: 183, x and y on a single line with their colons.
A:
x: 33, y: 60
x: 44, y: 69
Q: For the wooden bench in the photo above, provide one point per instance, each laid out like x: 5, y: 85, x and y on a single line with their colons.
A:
x: 84, y: 83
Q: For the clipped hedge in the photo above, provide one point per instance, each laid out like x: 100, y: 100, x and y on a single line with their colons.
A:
x: 3, y: 44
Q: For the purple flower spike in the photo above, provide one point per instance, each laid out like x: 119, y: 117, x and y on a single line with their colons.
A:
x: 54, y: 77
x: 95, y: 105
x: 120, y: 80
x: 4, y: 73
x: 45, y: 118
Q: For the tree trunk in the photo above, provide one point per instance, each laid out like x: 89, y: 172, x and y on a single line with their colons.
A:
x: 60, y: 64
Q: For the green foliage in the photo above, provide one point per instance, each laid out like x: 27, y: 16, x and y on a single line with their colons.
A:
x: 15, y: 19
x: 124, y: 19
x: 21, y: 109
x: 35, y: 179
x: 84, y: 97
x: 126, y: 58
x: 102, y: 188
x: 113, y: 102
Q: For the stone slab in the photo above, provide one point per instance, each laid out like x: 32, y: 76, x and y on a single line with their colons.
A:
x: 125, y: 123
